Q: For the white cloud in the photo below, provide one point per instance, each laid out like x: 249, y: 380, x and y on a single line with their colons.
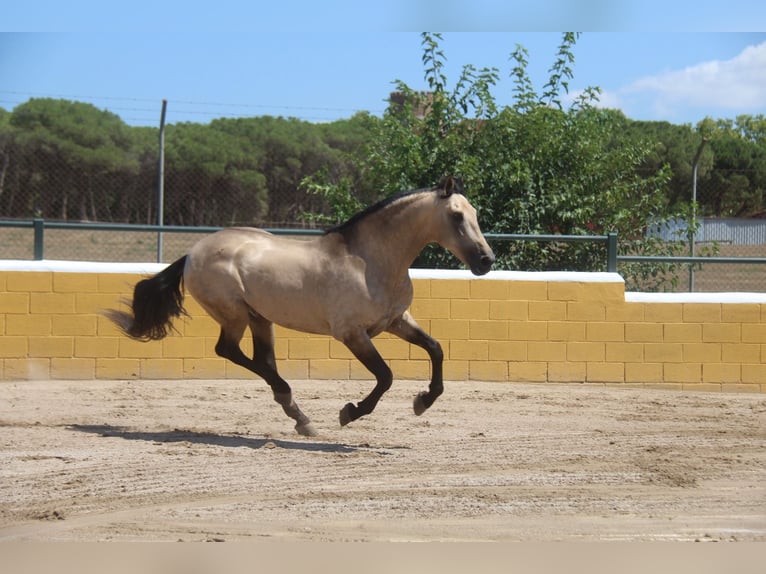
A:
x: 738, y: 84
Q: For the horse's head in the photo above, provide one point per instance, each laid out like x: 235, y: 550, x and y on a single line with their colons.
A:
x: 458, y: 228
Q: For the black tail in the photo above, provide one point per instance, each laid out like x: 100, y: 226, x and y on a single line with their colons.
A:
x: 156, y: 302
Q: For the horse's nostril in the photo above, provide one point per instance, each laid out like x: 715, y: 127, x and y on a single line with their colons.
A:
x: 487, y: 259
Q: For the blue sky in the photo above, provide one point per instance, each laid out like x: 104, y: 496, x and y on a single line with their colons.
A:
x: 321, y: 61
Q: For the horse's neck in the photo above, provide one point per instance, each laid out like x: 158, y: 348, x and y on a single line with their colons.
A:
x: 393, y: 237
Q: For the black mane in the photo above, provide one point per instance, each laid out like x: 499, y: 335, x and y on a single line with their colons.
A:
x: 383, y: 203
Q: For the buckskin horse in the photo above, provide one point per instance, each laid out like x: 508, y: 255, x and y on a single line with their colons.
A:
x: 352, y: 283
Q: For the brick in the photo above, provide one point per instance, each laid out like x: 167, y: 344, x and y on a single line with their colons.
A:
x: 96, y: 302
x: 48, y: 347
x: 527, y: 330
x: 605, y: 331
x: 605, y: 372
x: 75, y: 282
x: 701, y: 387
x: 586, y: 311
x: 203, y: 368
x: 28, y: 325
x: 682, y: 372
x: 754, y: 373
x: 682, y: 332
x: 431, y: 308
x: 528, y: 290
x: 740, y: 388
x: 316, y: 348
x: 14, y: 303
x: 421, y: 288
x: 118, y: 282
x: 329, y: 369
x: 415, y: 370
x: 51, y: 303
x: 491, y: 330
x: 72, y: 368
x: 468, y: 309
x: 161, y: 368
x: 450, y: 329
x: 469, y: 350
x: 14, y: 347
x: 566, y: 291
x: 509, y: 310
x: 586, y: 352
x: 94, y: 347
x: 456, y: 370
x: 488, y: 370
x: 740, y: 352
x: 450, y: 289
x: 29, y: 281
x: 74, y: 325
x: 546, y: 351
x: 508, y: 350
x: 612, y: 293
x: 664, y: 352
x: 547, y: 310
x: 339, y: 351
x: 108, y: 368
x: 702, y: 312
x: 741, y: 313
x: 489, y: 289
x: 663, y: 313
x: 566, y: 331
x: 643, y: 332
x: 625, y: 352
x: 702, y: 352
x: 721, y: 373
x: 129, y: 348
x: 754, y: 333
x: 633, y: 312
x: 722, y: 333
x: 294, y: 369
x: 567, y: 372
x: 528, y: 372
x: 183, y: 347
x: 643, y: 373
x: 27, y: 369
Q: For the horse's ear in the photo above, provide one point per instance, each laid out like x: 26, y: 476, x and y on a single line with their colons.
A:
x: 450, y: 185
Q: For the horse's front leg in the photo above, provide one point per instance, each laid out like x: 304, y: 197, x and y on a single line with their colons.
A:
x: 361, y: 346
x: 406, y: 328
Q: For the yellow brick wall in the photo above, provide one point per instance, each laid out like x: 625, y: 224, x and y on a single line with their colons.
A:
x: 515, y: 328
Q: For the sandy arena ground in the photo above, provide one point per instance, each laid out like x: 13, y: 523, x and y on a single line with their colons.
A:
x: 218, y: 460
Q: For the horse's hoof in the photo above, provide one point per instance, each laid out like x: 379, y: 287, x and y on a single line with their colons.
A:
x: 306, y: 429
x: 419, y: 404
x: 346, y: 414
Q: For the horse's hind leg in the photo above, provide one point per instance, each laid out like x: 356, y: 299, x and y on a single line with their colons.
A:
x: 263, y: 357
x: 263, y: 364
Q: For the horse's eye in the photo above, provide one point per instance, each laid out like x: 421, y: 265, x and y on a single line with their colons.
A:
x: 457, y: 217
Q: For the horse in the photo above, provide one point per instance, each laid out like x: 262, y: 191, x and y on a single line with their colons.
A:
x: 351, y: 282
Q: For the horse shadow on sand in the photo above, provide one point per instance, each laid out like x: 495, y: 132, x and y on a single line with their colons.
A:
x: 214, y: 439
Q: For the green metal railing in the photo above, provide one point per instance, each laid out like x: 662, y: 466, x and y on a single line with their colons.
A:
x: 39, y: 226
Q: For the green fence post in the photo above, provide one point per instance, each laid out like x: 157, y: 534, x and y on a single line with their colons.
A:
x: 611, y: 252
x: 39, y: 227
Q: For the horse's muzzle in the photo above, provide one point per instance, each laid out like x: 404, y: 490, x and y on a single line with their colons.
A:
x: 484, y: 264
